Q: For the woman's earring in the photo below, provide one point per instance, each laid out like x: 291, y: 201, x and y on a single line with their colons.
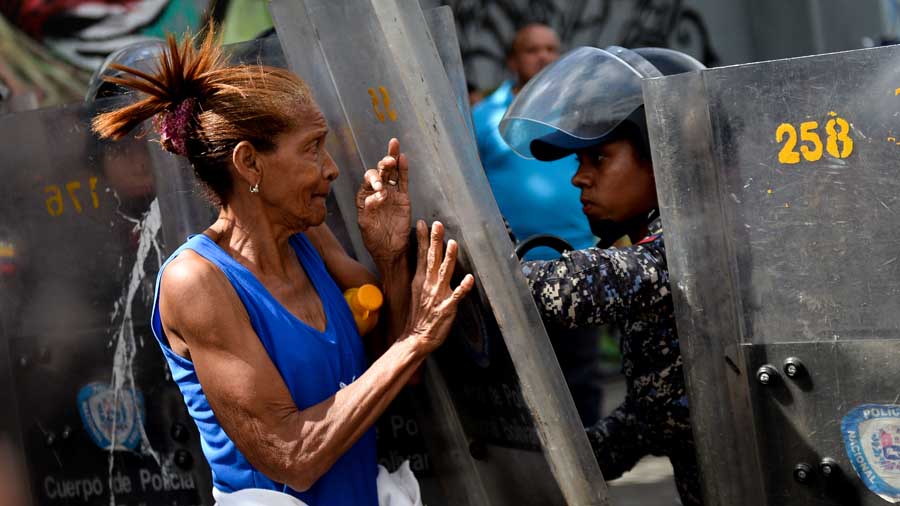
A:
x: 254, y: 188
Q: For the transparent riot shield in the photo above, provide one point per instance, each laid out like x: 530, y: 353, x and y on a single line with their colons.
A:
x: 399, y: 431
x: 442, y: 27
x: 779, y: 193
x: 91, y: 223
x: 501, y: 425
x: 85, y: 389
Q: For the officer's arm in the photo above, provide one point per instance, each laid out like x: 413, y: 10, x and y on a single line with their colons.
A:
x: 598, y: 286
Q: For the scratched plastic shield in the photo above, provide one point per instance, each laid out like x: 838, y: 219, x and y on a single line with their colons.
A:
x: 779, y: 188
x: 502, y: 427
x: 86, y: 395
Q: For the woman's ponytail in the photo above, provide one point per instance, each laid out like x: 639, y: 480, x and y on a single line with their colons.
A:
x: 181, y: 80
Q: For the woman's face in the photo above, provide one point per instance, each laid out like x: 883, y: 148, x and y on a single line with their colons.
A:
x: 616, y: 182
x: 297, y: 175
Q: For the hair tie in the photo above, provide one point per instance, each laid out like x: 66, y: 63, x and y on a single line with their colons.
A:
x: 173, y: 126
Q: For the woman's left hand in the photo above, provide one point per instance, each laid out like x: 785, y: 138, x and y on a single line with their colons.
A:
x: 383, y: 207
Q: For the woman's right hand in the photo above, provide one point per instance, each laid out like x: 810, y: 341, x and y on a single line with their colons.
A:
x: 433, y: 304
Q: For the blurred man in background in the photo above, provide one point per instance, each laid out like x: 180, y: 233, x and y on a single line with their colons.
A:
x: 534, y: 198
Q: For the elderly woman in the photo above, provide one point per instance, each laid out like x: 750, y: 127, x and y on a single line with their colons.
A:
x: 250, y: 314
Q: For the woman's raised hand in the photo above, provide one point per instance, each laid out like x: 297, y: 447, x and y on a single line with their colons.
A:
x: 383, y: 208
x: 434, y: 304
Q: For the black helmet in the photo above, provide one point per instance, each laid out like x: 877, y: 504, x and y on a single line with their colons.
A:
x: 142, y: 55
x: 580, y: 100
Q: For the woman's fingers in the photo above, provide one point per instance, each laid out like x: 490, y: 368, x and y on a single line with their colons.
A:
x: 374, y: 200
x: 391, y: 172
x: 394, y: 148
x: 387, y: 172
x: 422, y: 243
x: 385, y: 165
x: 373, y: 179
x: 403, y: 171
x: 449, y: 263
x: 389, y: 164
x: 401, y: 164
x: 465, y: 286
x: 435, y: 250
x: 431, y: 284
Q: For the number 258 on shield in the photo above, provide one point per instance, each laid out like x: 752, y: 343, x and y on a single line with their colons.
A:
x: 838, y: 142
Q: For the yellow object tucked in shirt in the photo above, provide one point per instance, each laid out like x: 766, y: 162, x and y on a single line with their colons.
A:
x: 364, y: 303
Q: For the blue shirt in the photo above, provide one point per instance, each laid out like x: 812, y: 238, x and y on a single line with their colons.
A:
x: 535, y: 197
x: 314, y: 365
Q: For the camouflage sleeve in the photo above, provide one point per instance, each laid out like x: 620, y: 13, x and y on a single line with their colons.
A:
x: 599, y: 286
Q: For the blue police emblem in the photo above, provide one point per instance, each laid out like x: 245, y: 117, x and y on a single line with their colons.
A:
x: 872, y: 439
x: 109, y: 419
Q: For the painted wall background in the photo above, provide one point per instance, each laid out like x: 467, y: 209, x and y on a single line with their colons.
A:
x: 52, y: 46
x: 717, y: 32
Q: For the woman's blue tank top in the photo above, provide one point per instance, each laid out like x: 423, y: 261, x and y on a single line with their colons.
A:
x: 314, y: 365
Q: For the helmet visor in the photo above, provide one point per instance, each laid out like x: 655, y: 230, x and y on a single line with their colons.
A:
x: 142, y: 55
x: 573, y: 102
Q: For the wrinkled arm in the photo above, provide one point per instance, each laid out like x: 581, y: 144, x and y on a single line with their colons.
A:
x: 598, y: 286
x: 246, y: 391
x: 395, y: 279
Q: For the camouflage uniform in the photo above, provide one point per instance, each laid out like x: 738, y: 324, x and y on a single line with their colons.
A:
x: 628, y: 287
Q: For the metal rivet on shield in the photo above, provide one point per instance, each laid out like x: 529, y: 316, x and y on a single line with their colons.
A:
x: 767, y: 375
x: 184, y: 459
x: 828, y: 467
x: 793, y: 367
x: 179, y: 432
x: 803, y: 472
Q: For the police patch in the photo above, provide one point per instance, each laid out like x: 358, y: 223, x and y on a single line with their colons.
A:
x: 872, y: 439
x: 101, y: 410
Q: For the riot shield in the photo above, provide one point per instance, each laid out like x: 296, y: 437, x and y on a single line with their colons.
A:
x: 399, y: 432
x: 502, y: 426
x: 88, y: 400
x: 110, y: 420
x: 442, y: 27
x: 779, y: 190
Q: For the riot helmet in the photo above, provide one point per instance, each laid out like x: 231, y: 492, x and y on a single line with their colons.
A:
x: 142, y: 55
x: 580, y: 100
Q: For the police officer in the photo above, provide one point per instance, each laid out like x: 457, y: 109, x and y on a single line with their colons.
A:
x: 590, y: 103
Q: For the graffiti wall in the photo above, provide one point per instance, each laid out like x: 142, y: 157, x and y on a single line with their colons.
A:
x: 50, y: 48
x: 486, y: 28
x: 85, y: 31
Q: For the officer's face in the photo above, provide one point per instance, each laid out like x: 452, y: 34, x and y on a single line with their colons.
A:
x: 616, y: 182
